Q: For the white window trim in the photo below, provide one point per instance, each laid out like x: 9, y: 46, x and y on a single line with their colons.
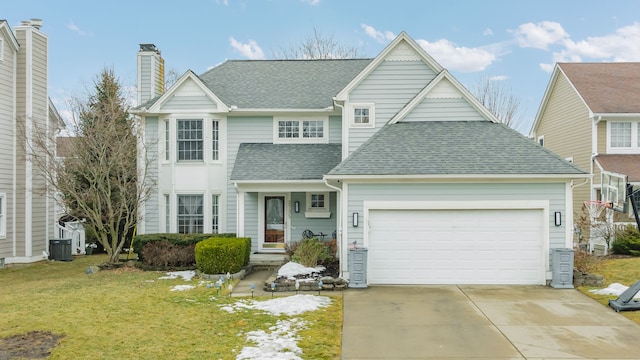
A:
x: 318, y: 212
x: 301, y: 140
x: 634, y: 148
x: 1, y: 49
x: 166, y: 140
x: 209, y: 143
x: 372, y: 115
x: 3, y: 215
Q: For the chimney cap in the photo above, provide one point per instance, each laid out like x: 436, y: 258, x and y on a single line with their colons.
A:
x: 149, y: 47
x: 35, y: 23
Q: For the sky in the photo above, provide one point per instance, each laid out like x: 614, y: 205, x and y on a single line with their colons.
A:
x: 513, y: 42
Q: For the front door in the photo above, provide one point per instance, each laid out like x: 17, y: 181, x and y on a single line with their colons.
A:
x: 274, y: 222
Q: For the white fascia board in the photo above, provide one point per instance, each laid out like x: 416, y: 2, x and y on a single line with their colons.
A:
x: 275, y: 111
x: 282, y: 186
x: 458, y: 178
x: 4, y: 27
x: 604, y: 116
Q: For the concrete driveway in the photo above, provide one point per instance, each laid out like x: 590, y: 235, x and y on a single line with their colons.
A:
x: 483, y: 322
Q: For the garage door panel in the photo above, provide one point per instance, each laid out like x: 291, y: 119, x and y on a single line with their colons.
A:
x: 489, y: 246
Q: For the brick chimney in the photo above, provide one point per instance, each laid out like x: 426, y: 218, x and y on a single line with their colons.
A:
x: 150, y: 73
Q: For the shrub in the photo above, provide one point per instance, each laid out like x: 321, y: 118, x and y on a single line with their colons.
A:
x: 222, y: 255
x: 627, y: 242
x: 168, y: 255
x: 585, y: 262
x: 176, y: 239
x: 309, y: 252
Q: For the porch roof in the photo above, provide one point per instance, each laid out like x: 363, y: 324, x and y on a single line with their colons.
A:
x: 626, y: 164
x: 284, y: 162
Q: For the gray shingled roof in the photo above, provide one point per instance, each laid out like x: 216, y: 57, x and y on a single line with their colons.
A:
x: 281, y: 84
x: 606, y: 87
x: 285, y: 161
x: 453, y: 148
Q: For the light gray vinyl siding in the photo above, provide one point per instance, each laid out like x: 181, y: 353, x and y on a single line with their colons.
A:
x: 152, y: 211
x: 390, y: 86
x: 7, y: 149
x: 335, y: 129
x: 251, y: 219
x: 299, y: 222
x: 151, y: 72
x: 180, y: 103
x: 444, y: 109
x: 242, y: 129
x: 554, y: 192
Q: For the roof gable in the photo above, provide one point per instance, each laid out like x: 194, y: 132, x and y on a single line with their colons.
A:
x: 5, y: 30
x: 188, y: 85
x: 402, y: 48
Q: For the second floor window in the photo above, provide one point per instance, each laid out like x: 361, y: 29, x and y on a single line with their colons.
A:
x: 215, y: 140
x: 190, y: 140
x: 309, y: 131
x: 623, y: 136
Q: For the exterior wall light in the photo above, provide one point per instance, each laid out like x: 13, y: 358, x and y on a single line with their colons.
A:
x: 296, y: 206
x: 558, y: 218
x: 355, y: 219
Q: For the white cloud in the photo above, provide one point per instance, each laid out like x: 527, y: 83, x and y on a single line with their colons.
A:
x: 458, y: 58
x: 250, y: 49
x: 73, y: 27
x: 547, y: 67
x: 223, y: 2
x: 312, y: 2
x: 540, y: 35
x: 487, y: 32
x: 379, y: 36
x: 623, y: 45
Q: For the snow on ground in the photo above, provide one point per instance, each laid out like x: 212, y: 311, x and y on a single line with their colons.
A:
x: 279, y: 344
x: 291, y: 269
x: 187, y: 275
x: 613, y: 289
x: 288, y: 305
x: 182, y: 287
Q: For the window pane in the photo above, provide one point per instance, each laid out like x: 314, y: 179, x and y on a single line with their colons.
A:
x: 167, y: 147
x: 190, y: 214
x: 190, y: 140
x: 288, y: 129
x: 361, y: 116
x: 620, y: 134
x: 167, y: 214
x: 214, y: 140
x: 312, y: 129
x: 214, y: 214
x: 317, y: 200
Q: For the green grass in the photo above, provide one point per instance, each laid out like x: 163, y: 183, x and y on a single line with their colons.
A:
x: 625, y: 271
x: 131, y: 314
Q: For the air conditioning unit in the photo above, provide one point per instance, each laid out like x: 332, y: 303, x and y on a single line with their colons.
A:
x: 60, y: 249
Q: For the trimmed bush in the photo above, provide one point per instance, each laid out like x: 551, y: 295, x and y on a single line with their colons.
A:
x: 221, y: 255
x: 176, y: 239
x: 167, y: 255
x: 627, y: 242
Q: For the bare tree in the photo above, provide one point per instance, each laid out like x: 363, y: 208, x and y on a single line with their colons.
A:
x: 100, y: 178
x: 318, y: 46
x: 498, y: 99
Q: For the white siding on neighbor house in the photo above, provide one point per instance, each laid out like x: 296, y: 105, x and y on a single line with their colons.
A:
x: 390, y: 86
x: 457, y: 109
x: 240, y: 129
x: 152, y: 212
x: 7, y: 148
x: 465, y: 192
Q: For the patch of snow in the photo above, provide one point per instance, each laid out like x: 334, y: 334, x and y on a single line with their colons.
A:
x: 292, y: 269
x: 279, y: 344
x: 182, y: 287
x: 614, y: 289
x: 288, y: 305
x: 187, y: 275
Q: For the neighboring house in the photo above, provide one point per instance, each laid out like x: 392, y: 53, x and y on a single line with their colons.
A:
x: 27, y: 216
x: 590, y: 115
x: 391, y: 154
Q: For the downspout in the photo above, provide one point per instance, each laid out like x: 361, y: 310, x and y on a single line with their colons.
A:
x: 340, y: 227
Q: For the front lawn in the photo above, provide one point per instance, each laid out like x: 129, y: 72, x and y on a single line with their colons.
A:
x: 132, y: 314
x: 625, y: 271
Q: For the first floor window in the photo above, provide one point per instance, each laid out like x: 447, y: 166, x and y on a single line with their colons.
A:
x: 190, y: 139
x: 317, y: 201
x: 167, y: 213
x: 215, y: 224
x: 190, y: 214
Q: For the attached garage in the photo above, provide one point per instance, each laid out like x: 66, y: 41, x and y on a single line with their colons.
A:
x: 457, y: 246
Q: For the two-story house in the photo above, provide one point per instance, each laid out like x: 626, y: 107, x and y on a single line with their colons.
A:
x: 391, y: 154
x: 590, y: 115
x: 27, y: 216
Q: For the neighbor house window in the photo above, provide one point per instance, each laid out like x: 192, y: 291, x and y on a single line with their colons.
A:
x: 190, y: 139
x: 167, y: 144
x: 620, y: 134
x: 3, y: 215
x: 215, y: 140
x: 303, y: 130
x: 167, y: 213
x: 215, y: 219
x: 362, y: 115
x: 190, y: 214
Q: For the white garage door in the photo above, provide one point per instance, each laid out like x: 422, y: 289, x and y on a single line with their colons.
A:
x: 456, y: 247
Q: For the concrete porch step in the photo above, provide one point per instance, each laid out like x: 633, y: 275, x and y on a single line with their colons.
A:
x: 267, y: 261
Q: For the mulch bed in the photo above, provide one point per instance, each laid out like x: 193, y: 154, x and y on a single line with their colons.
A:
x: 32, y: 345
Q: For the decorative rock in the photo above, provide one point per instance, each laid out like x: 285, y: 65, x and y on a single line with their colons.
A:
x: 327, y: 280
x: 91, y: 270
